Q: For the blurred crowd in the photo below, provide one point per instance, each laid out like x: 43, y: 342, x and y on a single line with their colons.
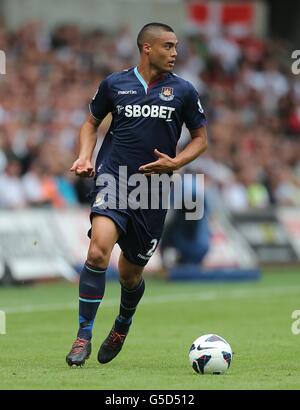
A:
x: 250, y: 96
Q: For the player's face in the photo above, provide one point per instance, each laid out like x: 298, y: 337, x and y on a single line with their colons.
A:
x: 162, y: 52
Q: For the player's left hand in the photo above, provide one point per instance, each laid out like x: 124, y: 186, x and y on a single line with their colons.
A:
x: 164, y: 164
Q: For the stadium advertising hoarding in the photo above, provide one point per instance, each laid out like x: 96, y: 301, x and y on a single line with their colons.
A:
x: 272, y: 233
x: 29, y: 247
x: 42, y: 244
x: 290, y: 220
x: 39, y: 244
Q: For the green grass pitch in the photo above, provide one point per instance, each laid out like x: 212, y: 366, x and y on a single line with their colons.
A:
x: 255, y: 318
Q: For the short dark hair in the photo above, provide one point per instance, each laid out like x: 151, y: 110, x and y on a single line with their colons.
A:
x: 144, y: 31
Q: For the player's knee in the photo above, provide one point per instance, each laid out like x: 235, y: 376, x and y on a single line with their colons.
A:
x: 98, y: 256
x: 130, y: 280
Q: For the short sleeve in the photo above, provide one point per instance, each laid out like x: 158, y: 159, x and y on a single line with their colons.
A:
x: 193, y: 114
x: 101, y: 103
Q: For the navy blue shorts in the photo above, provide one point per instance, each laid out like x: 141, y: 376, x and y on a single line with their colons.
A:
x: 140, y: 229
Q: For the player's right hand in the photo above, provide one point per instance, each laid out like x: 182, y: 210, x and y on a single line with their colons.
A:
x: 83, y: 168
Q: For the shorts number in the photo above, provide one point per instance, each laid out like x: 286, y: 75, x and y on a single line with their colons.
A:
x: 151, y: 251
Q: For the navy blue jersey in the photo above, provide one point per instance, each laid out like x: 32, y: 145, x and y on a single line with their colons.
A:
x: 143, y: 118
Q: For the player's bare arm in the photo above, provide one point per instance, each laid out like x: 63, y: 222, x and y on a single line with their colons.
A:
x: 196, y: 147
x: 167, y: 164
x: 87, y: 141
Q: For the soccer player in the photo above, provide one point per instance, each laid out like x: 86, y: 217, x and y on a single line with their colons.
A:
x: 149, y: 104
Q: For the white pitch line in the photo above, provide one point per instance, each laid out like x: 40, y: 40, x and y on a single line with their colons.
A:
x: 180, y: 297
x: 107, y: 303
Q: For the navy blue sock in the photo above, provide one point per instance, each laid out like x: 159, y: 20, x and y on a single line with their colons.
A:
x: 91, y: 291
x: 129, y: 301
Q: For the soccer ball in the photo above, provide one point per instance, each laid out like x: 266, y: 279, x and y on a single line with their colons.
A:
x: 210, y: 354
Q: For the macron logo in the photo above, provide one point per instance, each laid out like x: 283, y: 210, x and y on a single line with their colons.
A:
x: 127, y: 92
